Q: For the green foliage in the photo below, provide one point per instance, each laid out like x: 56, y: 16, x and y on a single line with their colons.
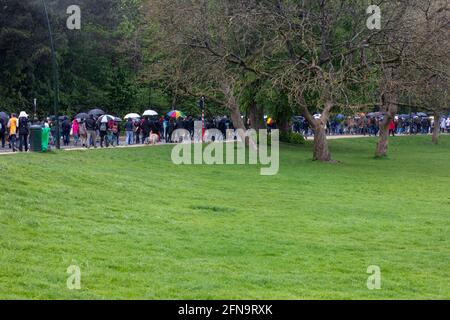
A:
x: 99, y: 65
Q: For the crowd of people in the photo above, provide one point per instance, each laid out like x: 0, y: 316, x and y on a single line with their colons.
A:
x: 15, y: 130
x: 101, y: 132
x: 370, y: 125
x: 105, y: 131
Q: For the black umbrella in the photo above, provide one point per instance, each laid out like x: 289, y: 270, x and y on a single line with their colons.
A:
x: 82, y: 116
x: 97, y: 112
x: 4, y: 116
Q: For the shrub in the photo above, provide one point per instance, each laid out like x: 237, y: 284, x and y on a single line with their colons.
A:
x: 292, y: 137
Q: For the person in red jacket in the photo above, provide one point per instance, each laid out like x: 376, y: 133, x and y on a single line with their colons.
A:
x: 392, y: 128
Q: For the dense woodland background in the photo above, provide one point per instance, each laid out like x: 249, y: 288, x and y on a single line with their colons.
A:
x: 102, y: 65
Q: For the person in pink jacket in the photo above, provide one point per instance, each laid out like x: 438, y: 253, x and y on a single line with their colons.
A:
x: 75, y: 131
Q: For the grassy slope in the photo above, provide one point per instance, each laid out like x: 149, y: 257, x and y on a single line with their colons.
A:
x: 140, y: 227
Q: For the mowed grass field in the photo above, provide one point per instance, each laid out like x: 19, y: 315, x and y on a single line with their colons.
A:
x: 140, y: 227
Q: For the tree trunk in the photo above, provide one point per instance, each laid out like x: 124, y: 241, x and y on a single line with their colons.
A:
x: 437, y: 129
x: 235, y: 114
x: 321, y: 149
x: 389, y: 106
x: 283, y: 126
x: 174, y: 101
x: 383, y: 141
x: 256, y: 116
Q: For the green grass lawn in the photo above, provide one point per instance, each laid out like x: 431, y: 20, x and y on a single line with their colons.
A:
x: 140, y: 227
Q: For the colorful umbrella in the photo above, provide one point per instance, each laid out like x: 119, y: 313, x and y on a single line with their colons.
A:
x: 270, y: 121
x: 175, y: 114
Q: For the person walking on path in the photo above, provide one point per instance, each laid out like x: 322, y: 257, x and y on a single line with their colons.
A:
x: 103, y: 128
x: 442, y: 125
x: 110, y: 133
x: 91, y: 128
x: 75, y: 131
x: 170, y: 130
x: 392, y: 128
x: 52, y: 125
x: 23, y: 129
x: 129, y: 131
x: 137, y: 130
x: 146, y: 128
x: 65, y: 128
x: 83, y: 133
x: 165, y: 126
x: 12, y: 131
x: 116, y: 132
x: 2, y: 132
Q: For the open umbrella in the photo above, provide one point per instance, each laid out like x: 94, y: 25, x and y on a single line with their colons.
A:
x: 317, y: 116
x: 150, y: 113
x: 422, y: 115
x: 82, y: 116
x: 4, y: 116
x: 132, y: 116
x: 340, y: 117
x: 107, y: 117
x: 175, y: 114
x: 270, y: 121
x: 375, y: 114
x: 96, y: 112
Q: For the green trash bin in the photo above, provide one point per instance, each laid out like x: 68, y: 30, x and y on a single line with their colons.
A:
x: 36, y: 139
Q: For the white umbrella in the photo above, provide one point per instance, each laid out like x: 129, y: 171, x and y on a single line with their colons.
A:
x: 150, y: 113
x: 106, y: 118
x: 132, y: 116
x: 317, y: 116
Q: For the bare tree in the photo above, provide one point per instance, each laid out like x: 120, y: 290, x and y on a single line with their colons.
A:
x: 410, y: 49
x: 320, y: 53
x: 211, y: 44
x: 323, y: 45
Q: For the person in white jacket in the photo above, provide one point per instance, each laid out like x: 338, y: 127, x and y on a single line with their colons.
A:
x: 447, y: 124
x: 442, y: 125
